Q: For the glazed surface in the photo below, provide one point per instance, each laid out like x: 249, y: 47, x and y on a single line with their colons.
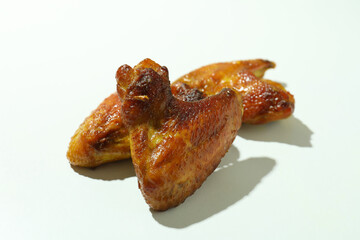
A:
x: 264, y: 100
x: 103, y: 137
x: 175, y: 145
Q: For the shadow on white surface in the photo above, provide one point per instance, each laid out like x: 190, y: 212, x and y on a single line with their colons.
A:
x: 290, y: 131
x: 111, y: 171
x: 230, y: 182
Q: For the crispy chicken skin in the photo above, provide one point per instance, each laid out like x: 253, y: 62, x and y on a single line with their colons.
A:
x: 175, y: 145
x: 102, y: 137
x: 264, y: 100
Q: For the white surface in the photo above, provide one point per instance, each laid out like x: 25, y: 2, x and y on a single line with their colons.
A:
x: 294, y: 179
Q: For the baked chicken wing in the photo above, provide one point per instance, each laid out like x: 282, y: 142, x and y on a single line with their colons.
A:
x: 264, y: 100
x: 175, y: 145
x: 102, y: 137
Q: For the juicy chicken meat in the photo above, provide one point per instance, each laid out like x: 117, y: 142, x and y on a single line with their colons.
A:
x: 103, y: 138
x: 264, y: 100
x: 175, y: 145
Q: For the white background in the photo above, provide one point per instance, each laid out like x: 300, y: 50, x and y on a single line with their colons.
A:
x: 294, y: 179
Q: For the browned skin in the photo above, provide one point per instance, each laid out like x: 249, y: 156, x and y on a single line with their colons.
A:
x: 175, y: 145
x: 102, y: 137
x: 264, y: 100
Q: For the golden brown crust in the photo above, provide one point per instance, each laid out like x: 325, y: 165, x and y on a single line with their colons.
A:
x: 175, y: 145
x: 101, y: 138
x: 264, y: 100
x: 184, y: 92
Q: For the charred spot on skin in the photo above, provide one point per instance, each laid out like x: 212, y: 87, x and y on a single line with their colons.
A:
x: 144, y: 78
x: 102, y: 143
x: 183, y: 92
x: 283, y: 104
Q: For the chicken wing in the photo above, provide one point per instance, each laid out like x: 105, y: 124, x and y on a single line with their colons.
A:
x: 175, y: 145
x: 264, y: 100
x: 103, y: 138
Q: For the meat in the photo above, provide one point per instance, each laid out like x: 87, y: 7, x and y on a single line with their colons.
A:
x: 175, y: 144
x: 264, y: 100
x: 103, y: 137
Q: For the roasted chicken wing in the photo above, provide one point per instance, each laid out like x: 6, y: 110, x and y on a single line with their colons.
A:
x: 264, y: 100
x: 175, y: 145
x: 103, y: 138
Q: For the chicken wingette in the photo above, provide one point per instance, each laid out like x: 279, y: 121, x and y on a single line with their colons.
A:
x: 264, y: 100
x: 103, y: 138
x: 175, y: 144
